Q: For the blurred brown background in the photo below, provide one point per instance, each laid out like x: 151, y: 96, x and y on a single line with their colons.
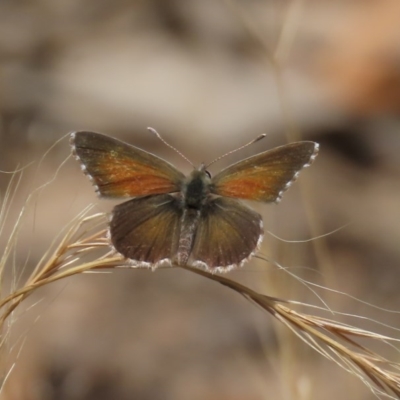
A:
x: 200, y: 72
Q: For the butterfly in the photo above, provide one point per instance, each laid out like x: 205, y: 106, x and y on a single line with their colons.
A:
x: 191, y: 220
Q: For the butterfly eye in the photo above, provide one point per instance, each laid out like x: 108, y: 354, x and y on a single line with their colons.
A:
x: 208, y: 174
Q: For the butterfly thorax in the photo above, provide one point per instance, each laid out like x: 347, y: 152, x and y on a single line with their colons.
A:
x: 196, y: 188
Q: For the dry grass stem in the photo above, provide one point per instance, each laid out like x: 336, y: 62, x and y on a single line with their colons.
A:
x: 86, y: 238
x: 83, y: 237
x: 331, y: 339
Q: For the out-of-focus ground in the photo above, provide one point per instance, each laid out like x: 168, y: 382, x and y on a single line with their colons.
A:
x: 200, y: 72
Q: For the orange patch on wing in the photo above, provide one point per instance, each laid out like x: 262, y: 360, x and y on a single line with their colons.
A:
x: 258, y: 188
x: 125, y: 177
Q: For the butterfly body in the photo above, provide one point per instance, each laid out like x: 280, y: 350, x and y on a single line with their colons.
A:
x: 195, y: 220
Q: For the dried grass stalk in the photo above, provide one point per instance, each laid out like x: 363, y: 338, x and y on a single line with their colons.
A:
x: 336, y: 341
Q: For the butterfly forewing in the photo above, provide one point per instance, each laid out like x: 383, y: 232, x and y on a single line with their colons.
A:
x: 120, y: 170
x: 265, y: 176
x: 228, y: 233
x: 146, y: 230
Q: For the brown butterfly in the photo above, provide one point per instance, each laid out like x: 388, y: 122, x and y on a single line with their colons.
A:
x: 186, y: 220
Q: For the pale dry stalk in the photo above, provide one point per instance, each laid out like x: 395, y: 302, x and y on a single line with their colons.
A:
x: 86, y: 236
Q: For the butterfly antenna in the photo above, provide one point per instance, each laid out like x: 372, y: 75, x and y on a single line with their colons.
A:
x: 258, y: 138
x: 152, y: 130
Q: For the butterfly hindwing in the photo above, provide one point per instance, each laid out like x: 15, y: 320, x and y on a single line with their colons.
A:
x: 118, y: 169
x: 228, y: 233
x: 146, y: 229
x: 265, y: 176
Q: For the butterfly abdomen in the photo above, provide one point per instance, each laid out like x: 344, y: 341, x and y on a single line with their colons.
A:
x: 189, y: 222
